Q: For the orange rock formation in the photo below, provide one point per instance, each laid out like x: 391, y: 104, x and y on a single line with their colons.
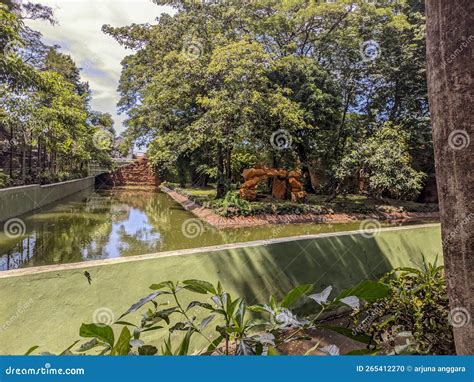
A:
x: 285, y: 184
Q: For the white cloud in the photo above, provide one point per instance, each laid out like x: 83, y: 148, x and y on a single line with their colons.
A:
x: 79, y: 34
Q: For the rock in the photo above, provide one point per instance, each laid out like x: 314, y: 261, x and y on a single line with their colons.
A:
x: 279, y: 188
x: 298, y: 196
x: 294, y: 183
x: 294, y: 174
x: 254, y: 172
x: 248, y: 194
x: 283, y: 181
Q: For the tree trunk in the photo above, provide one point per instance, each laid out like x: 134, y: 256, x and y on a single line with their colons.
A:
x: 228, y: 166
x: 451, y: 96
x: 308, y: 187
x: 221, y: 182
x: 23, y: 163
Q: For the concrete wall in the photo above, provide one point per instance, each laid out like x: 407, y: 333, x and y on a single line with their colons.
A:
x: 45, y: 306
x: 17, y: 201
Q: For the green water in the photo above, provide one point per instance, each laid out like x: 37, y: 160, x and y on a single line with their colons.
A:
x: 105, y: 224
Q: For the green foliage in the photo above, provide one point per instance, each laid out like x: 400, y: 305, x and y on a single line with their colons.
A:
x: 239, y: 207
x: 232, y: 205
x: 207, y: 94
x: 383, y: 161
x: 413, y: 318
x: 227, y: 325
x: 405, y: 312
x: 44, y: 104
x: 4, y: 180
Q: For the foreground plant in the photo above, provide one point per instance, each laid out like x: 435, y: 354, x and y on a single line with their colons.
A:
x: 413, y: 318
x: 404, y: 312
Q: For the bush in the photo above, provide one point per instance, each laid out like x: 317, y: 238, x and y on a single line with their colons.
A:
x: 401, y: 313
x: 384, y: 162
x: 413, y: 318
x: 232, y: 205
x: 226, y: 325
x: 4, y: 180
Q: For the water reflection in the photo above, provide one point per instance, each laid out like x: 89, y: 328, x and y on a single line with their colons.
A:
x: 106, y: 224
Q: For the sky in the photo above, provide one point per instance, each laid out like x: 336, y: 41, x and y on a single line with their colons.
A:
x: 79, y: 34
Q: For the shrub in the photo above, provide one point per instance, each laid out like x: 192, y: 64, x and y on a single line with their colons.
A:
x: 226, y: 326
x: 4, y: 180
x: 232, y: 205
x: 385, y: 163
x: 413, y: 318
x: 405, y: 312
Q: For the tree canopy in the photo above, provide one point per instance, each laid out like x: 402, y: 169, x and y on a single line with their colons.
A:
x: 47, y: 128
x: 221, y: 86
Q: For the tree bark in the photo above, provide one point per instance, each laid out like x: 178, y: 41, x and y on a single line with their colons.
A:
x: 221, y: 182
x: 450, y: 44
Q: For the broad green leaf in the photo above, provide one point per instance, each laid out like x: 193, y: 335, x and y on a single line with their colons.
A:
x: 122, y: 347
x: 147, y: 350
x: 101, y: 332
x: 142, y: 302
x: 257, y: 309
x: 199, y: 286
x: 204, y: 305
x: 272, y: 351
x: 162, y: 285
x: 184, y: 347
x: 294, y: 294
x: 367, y: 290
x: 178, y: 326
x: 164, y: 314
x: 125, y: 323
x: 213, y: 346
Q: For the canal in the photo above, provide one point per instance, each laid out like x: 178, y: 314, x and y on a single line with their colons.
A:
x: 94, y: 225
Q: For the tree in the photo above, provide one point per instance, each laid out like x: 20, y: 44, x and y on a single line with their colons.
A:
x: 383, y: 165
x: 451, y: 95
x: 189, y: 92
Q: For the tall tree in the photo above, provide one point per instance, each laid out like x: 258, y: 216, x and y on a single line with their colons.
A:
x: 450, y: 48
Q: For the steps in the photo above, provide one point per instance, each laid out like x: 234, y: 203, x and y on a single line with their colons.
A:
x: 136, y: 174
